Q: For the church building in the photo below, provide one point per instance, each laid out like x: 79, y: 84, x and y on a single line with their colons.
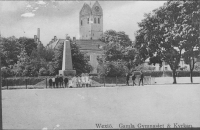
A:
x: 90, y: 31
x: 91, y: 22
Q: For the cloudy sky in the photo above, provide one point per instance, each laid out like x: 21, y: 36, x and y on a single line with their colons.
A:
x: 58, y: 18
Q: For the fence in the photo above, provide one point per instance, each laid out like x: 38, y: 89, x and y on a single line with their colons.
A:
x: 23, y: 83
x: 122, y: 80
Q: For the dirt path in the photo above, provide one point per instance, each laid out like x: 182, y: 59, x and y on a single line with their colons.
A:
x: 85, y: 107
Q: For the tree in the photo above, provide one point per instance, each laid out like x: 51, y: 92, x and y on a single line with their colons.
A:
x: 118, y: 51
x: 10, y: 50
x: 191, y: 33
x: 111, y: 36
x: 22, y: 68
x: 28, y: 43
x: 161, y: 35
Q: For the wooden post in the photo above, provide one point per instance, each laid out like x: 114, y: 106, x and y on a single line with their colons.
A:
x: 1, y: 119
x: 46, y: 82
x: 104, y: 81
x: 116, y: 81
x: 7, y: 83
x: 26, y: 83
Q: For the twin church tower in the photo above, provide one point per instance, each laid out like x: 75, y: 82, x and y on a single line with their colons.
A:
x: 91, y: 22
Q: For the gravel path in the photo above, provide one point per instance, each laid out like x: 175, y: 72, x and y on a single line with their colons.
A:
x: 85, y: 107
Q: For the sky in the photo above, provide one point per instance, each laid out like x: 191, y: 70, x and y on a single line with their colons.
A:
x: 58, y: 18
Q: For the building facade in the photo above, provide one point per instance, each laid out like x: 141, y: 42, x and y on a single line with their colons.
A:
x: 91, y: 22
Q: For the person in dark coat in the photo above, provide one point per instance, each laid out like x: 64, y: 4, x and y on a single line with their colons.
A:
x: 50, y: 83
x: 61, y: 80
x: 141, y: 78
x: 57, y: 81
x: 133, y: 78
x: 66, y: 81
x: 127, y: 78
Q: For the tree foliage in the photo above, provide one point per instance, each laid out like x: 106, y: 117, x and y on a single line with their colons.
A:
x: 166, y: 33
x: 28, y: 43
x: 118, y: 52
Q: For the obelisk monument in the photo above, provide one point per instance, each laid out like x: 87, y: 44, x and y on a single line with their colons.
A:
x: 67, y: 69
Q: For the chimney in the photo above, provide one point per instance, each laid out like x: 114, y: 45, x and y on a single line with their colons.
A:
x: 35, y: 38
x: 55, y: 38
x: 38, y: 34
x: 74, y: 38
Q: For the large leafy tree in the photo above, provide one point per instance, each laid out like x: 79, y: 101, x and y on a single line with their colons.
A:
x: 21, y: 67
x: 162, y: 35
x: 118, y: 51
x: 28, y: 43
x: 191, y: 33
x: 10, y: 50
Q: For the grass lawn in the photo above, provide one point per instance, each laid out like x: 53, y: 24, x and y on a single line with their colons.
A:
x: 73, y: 108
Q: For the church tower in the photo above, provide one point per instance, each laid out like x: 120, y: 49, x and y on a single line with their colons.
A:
x: 91, y: 22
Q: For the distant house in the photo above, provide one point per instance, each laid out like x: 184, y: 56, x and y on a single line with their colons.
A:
x: 165, y: 66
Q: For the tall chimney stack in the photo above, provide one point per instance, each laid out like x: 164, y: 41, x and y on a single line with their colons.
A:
x: 38, y: 34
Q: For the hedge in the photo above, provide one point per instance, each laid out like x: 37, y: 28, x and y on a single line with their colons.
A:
x: 20, y: 81
x: 169, y: 73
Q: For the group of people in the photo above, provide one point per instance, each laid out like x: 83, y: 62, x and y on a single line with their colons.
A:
x: 57, y: 81
x: 77, y: 81
x: 82, y: 80
x: 133, y: 76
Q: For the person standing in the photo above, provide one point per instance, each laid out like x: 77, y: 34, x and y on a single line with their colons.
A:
x: 127, y: 79
x: 141, y: 78
x: 79, y: 81
x: 77, y: 84
x: 61, y: 80
x: 66, y: 82
x: 83, y: 80
x: 53, y: 81
x: 133, y: 78
x: 50, y: 83
x: 56, y: 81
x: 86, y: 80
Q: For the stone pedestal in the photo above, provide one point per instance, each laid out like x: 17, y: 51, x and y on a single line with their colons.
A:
x: 67, y: 72
x: 67, y: 69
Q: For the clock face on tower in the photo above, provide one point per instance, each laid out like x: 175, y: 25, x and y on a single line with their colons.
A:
x: 97, y: 8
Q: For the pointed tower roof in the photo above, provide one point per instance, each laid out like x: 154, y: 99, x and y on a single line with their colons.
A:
x: 96, y: 9
x: 86, y: 9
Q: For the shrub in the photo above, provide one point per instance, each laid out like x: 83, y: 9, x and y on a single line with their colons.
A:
x: 43, y: 72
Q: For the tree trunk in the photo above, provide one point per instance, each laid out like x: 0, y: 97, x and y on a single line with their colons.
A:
x: 174, y: 76
x: 191, y: 74
x: 191, y: 70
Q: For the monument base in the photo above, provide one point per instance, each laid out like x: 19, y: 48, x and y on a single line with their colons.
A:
x: 67, y: 72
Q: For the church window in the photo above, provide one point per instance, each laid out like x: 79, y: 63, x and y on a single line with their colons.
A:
x: 99, y: 20
x: 88, y: 20
x: 94, y: 20
x: 81, y: 22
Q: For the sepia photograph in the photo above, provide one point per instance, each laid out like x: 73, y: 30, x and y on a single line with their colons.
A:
x: 99, y: 64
